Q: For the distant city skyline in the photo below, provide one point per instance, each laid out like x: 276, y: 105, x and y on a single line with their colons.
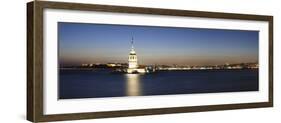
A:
x: 104, y: 43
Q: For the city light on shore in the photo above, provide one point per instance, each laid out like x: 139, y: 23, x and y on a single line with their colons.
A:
x: 167, y: 67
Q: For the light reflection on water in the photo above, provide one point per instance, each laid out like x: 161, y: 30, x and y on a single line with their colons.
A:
x: 74, y: 84
x: 133, y: 87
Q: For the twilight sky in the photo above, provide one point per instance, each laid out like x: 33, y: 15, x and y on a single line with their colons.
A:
x: 103, y: 43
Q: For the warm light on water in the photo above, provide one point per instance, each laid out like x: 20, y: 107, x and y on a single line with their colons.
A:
x: 76, y: 84
x: 133, y: 85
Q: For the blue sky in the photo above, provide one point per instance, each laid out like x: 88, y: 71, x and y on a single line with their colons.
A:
x: 101, y: 43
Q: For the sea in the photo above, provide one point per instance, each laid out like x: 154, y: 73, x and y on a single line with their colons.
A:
x: 102, y: 83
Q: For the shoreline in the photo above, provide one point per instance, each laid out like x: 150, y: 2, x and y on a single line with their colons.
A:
x: 160, y: 69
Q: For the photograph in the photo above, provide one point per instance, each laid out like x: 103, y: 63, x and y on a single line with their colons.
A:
x: 113, y: 60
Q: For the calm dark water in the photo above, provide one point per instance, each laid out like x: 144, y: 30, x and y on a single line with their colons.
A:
x: 102, y: 83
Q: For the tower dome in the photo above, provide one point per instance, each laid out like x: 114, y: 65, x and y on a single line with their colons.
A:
x: 132, y: 51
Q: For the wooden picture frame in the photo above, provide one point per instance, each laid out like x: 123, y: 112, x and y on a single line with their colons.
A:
x: 35, y: 59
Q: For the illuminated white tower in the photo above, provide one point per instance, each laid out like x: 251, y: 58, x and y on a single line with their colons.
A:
x: 133, y: 60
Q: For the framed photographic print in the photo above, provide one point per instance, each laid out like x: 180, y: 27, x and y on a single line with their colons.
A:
x: 95, y: 61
